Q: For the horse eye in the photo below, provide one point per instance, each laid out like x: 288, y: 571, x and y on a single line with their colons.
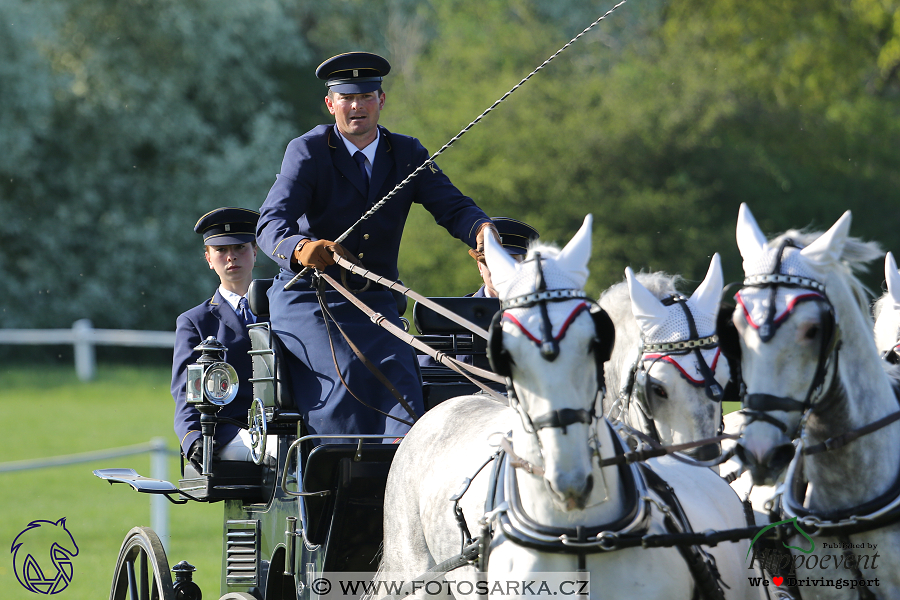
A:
x: 812, y: 332
x: 659, y: 391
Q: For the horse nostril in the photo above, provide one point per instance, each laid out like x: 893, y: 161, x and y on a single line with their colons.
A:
x: 780, y: 457
x: 747, y: 459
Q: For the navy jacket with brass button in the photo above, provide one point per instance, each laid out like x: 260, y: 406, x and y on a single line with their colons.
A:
x: 319, y: 194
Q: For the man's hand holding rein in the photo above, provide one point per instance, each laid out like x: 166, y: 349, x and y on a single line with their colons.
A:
x: 318, y: 254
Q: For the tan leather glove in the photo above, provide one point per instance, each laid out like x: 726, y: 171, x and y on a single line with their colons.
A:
x: 479, y: 237
x: 319, y: 254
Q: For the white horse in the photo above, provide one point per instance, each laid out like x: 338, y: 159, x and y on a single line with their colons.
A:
x: 887, y: 313
x: 552, y: 506
x: 666, y: 376
x: 812, y: 373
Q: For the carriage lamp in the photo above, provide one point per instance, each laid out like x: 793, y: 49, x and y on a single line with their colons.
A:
x: 211, y: 384
x: 211, y: 379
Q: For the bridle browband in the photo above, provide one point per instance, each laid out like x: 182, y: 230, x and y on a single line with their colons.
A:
x: 549, y: 347
x: 694, y: 344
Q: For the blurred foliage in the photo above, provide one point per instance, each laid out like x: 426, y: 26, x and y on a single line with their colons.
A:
x: 124, y: 121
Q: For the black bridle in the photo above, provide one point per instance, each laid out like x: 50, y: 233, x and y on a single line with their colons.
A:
x: 757, y: 406
x: 549, y: 348
x: 638, y: 382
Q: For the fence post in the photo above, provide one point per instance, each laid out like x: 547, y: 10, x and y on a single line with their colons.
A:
x: 85, y: 361
x: 159, y: 505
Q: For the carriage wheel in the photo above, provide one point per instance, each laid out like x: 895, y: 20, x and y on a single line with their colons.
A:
x: 258, y: 431
x: 142, y: 571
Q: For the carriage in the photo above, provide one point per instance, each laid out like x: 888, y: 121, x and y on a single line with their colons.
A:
x: 278, y: 532
x: 281, y: 533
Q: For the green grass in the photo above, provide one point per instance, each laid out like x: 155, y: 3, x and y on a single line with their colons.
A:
x: 47, y: 412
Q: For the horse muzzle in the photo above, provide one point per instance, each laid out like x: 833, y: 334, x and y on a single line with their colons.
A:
x: 568, y: 493
x: 765, y: 461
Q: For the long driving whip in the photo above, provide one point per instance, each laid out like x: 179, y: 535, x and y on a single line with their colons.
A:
x: 430, y: 160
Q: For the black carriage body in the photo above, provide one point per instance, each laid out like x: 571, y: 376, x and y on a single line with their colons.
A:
x: 278, y: 536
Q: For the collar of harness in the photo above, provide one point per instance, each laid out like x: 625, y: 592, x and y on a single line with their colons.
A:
x: 505, y: 505
x: 872, y: 514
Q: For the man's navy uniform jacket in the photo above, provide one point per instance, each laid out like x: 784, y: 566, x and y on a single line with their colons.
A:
x: 217, y: 318
x: 319, y: 193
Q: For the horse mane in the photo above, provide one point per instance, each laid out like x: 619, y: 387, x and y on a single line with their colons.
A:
x: 854, y: 259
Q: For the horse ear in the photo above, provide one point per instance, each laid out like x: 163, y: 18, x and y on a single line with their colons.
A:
x: 573, y: 259
x: 501, y: 264
x: 751, y: 240
x: 828, y: 247
x: 706, y: 296
x: 892, y: 276
x: 647, y: 309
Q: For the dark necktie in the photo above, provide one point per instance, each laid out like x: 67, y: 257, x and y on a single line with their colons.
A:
x: 360, y: 159
x: 244, y: 312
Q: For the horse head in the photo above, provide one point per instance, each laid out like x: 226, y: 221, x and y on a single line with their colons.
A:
x: 674, y: 382
x: 798, y: 305
x: 545, y: 339
x: 887, y: 314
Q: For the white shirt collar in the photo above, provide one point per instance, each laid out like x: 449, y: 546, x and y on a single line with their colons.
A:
x: 368, y: 151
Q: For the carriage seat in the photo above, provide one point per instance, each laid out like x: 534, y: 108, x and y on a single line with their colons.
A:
x: 440, y: 383
x: 271, y: 379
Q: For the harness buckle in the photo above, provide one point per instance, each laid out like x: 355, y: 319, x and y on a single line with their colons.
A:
x: 491, y: 515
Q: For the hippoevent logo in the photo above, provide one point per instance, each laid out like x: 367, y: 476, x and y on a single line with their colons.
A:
x: 42, y: 556
x: 785, y: 564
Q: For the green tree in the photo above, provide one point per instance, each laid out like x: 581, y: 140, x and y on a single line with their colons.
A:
x: 129, y: 120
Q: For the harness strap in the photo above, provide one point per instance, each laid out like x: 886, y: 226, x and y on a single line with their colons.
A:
x: 399, y: 287
x: 864, y: 592
x: 456, y: 365
x: 845, y: 438
x: 701, y: 565
x: 368, y: 364
x: 469, y: 554
x: 563, y: 418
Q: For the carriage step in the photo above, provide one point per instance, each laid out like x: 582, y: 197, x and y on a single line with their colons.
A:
x: 138, y: 482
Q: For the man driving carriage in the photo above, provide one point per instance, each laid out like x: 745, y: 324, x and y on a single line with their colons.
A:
x: 329, y: 177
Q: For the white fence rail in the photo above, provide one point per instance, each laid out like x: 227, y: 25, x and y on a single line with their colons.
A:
x: 159, y: 454
x: 84, y: 338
